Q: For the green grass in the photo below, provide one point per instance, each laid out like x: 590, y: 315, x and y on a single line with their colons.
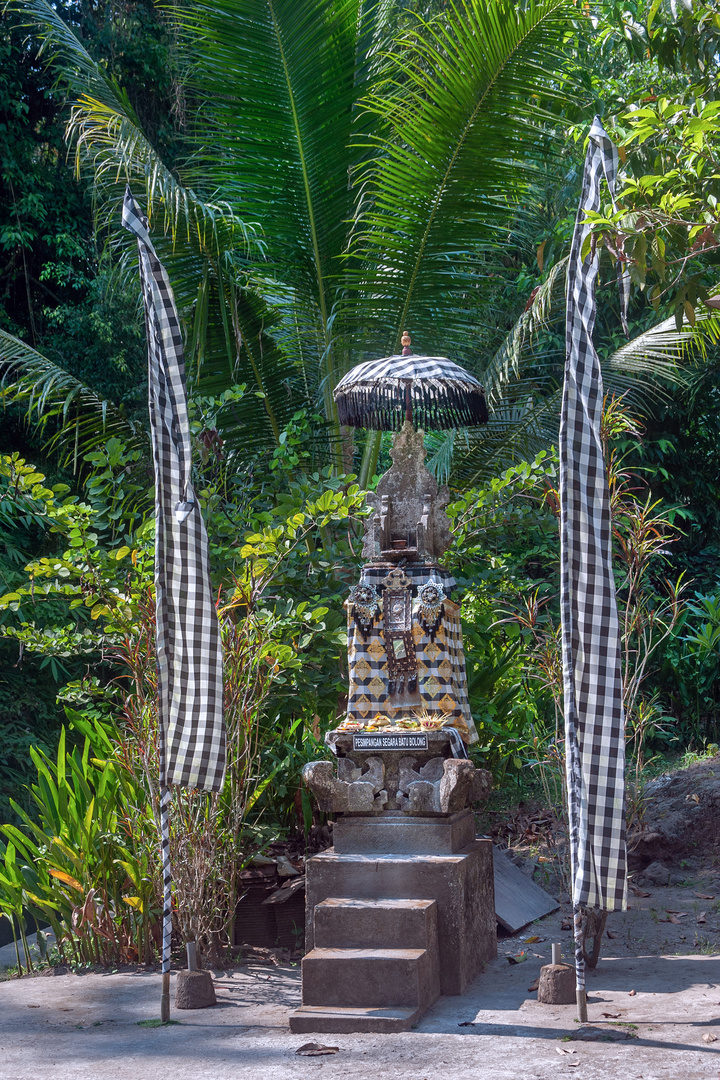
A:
x: 157, y: 1023
x: 707, y: 947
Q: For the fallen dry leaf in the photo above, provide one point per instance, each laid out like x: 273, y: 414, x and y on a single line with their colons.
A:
x: 611, y: 934
x: 571, y: 1063
x: 632, y: 993
x: 611, y: 1016
x: 701, y: 917
x: 566, y: 925
x: 532, y: 940
x: 312, y: 1049
x: 708, y: 1037
x: 704, y: 896
x: 639, y: 892
x: 534, y: 985
x: 674, y: 911
x: 564, y: 1050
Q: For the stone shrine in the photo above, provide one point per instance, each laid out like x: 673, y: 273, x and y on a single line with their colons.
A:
x: 401, y: 908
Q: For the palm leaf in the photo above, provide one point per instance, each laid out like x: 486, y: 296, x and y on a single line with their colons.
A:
x: 464, y: 104
x: 48, y: 392
x: 108, y: 136
x: 279, y: 83
x: 526, y: 416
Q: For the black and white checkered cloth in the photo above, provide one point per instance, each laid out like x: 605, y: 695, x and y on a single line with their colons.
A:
x: 442, y: 394
x: 191, y: 729
x: 594, y: 720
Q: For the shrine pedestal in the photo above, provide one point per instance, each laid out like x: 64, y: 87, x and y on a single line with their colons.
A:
x: 388, y: 930
x: 402, y: 909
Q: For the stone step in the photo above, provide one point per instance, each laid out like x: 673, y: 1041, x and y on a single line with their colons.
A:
x: 342, y: 1021
x: 357, y: 834
x: 376, y: 924
x: 370, y: 978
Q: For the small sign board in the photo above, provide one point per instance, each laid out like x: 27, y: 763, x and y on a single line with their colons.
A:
x: 401, y: 740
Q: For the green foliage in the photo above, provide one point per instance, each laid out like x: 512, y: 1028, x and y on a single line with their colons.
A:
x: 29, y: 716
x: 85, y: 862
x: 505, y: 557
x: 281, y: 555
x: 690, y: 671
x: 308, y: 213
x: 56, y: 289
x: 318, y: 271
x: 282, y: 666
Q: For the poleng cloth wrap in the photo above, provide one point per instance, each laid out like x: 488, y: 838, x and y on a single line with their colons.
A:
x: 592, y: 677
x: 189, y: 655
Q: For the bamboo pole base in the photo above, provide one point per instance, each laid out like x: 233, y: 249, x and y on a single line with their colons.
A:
x: 165, y: 998
x: 581, y: 996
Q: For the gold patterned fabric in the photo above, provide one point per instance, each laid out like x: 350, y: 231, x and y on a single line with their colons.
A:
x: 442, y: 682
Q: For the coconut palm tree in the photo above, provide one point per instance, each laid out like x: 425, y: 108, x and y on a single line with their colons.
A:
x: 351, y: 172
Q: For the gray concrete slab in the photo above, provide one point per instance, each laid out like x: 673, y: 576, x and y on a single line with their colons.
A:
x: 85, y: 1027
x: 8, y: 955
x: 518, y: 899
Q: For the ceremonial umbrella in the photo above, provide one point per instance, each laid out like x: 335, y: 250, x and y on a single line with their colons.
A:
x: 431, y: 391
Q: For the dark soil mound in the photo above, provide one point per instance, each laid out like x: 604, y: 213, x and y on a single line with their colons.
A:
x: 681, y: 818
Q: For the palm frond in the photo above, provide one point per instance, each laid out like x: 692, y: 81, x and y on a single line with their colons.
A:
x: 668, y: 351
x: 516, y: 432
x: 279, y: 82
x: 49, y: 393
x: 507, y: 363
x: 525, y: 382
x: 108, y: 136
x: 464, y: 105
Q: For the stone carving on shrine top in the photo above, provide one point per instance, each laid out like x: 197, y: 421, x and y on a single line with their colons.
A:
x: 409, y: 520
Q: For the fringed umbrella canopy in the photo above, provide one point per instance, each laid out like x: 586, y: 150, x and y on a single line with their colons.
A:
x: 432, y: 391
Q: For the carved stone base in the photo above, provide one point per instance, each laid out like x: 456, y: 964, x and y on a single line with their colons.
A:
x: 427, y: 781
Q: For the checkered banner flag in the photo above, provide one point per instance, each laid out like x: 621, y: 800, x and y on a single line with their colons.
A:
x: 191, y: 730
x: 592, y: 677
x: 190, y: 685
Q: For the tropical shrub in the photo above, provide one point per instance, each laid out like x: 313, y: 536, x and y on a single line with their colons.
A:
x: 282, y: 667
x: 84, y: 862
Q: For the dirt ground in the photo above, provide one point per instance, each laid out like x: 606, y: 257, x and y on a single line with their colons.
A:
x: 654, y: 999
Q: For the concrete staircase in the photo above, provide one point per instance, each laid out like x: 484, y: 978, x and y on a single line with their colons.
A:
x: 374, y: 966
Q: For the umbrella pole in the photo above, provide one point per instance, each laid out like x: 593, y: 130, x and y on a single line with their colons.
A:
x: 408, y: 400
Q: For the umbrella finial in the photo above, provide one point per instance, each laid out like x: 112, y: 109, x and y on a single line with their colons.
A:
x: 406, y: 342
